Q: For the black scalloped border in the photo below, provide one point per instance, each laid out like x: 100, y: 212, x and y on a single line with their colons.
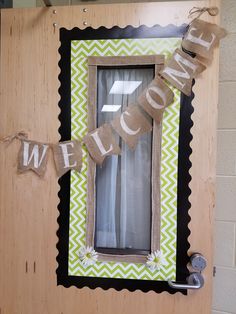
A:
x: 184, y: 164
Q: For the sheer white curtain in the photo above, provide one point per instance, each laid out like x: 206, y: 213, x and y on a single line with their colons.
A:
x: 123, y: 183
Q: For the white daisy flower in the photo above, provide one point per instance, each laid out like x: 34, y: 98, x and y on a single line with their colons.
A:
x: 88, y: 256
x: 155, y: 260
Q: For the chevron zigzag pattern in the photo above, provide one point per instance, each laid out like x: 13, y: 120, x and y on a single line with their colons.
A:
x: 80, y: 50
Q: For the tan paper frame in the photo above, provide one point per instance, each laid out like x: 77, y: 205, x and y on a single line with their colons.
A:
x: 93, y: 63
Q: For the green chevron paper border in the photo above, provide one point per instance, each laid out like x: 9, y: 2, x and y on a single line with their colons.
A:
x: 80, y: 50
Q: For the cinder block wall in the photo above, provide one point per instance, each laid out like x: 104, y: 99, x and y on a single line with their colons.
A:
x: 224, y: 299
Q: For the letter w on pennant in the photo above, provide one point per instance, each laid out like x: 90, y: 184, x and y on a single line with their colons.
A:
x: 33, y: 156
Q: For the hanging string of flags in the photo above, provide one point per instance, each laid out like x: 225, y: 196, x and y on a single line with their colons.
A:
x: 200, y: 39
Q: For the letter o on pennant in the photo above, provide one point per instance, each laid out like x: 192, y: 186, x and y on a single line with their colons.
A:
x: 156, y: 98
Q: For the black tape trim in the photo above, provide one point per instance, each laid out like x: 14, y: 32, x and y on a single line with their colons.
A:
x: 184, y: 165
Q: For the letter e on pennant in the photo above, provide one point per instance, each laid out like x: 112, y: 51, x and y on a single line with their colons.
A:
x: 67, y: 156
x: 202, y: 37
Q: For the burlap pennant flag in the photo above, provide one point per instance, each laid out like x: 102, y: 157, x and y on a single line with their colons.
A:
x: 67, y: 156
x: 156, y: 98
x: 202, y: 37
x: 33, y: 156
x: 101, y: 143
x: 130, y: 125
x: 180, y: 71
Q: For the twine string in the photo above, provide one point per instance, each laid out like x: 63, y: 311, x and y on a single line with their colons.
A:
x: 21, y: 135
x: 197, y: 12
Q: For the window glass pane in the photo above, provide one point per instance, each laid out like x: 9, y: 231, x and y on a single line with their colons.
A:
x: 5, y: 4
x: 123, y: 183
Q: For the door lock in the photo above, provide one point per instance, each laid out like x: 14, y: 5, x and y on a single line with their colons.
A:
x: 198, y: 262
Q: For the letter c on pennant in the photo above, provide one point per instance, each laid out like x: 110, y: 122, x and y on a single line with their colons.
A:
x: 125, y: 127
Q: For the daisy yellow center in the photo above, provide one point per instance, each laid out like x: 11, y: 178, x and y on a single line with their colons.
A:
x: 156, y: 260
x: 88, y: 255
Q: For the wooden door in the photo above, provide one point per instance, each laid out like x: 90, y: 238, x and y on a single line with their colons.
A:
x: 28, y: 205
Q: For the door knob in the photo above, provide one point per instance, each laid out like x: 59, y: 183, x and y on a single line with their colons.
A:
x: 194, y: 281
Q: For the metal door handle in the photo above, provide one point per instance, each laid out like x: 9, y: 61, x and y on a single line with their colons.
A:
x: 194, y: 281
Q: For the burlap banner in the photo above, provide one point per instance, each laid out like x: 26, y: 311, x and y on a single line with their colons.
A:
x: 130, y: 125
x: 156, y: 98
x: 180, y: 71
x: 33, y: 156
x: 67, y: 156
x: 101, y: 143
x: 200, y: 39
